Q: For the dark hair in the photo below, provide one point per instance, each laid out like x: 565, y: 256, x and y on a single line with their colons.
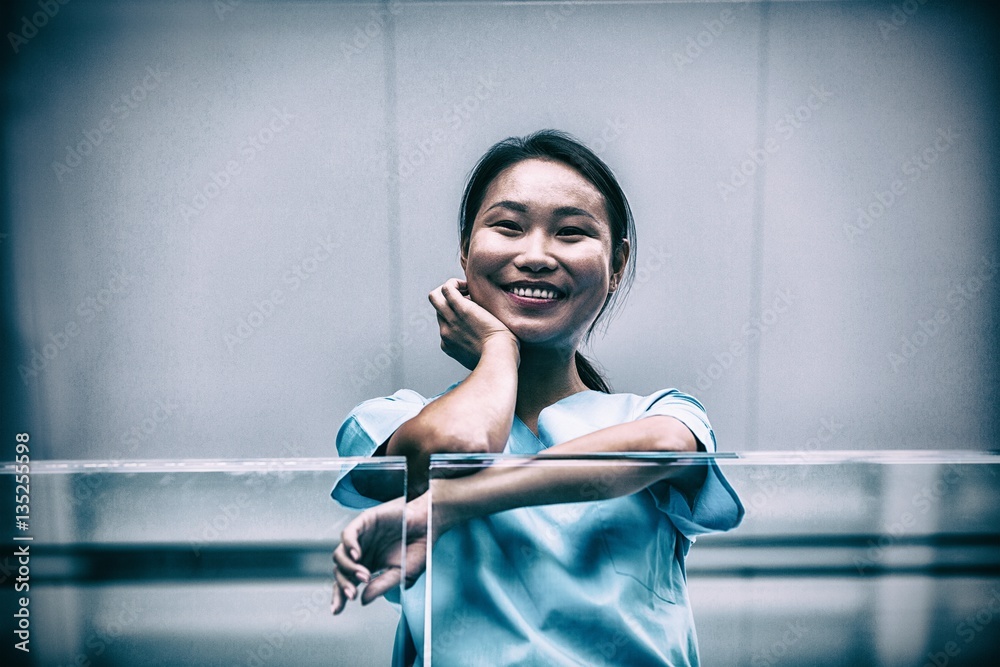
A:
x: 561, y: 147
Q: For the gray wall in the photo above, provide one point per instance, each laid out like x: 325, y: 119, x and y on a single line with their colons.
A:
x: 764, y: 295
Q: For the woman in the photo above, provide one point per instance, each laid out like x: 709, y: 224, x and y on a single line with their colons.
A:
x: 546, y: 247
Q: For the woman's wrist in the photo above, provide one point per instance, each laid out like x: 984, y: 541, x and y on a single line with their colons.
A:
x: 446, y: 505
x: 504, y: 345
x: 442, y: 518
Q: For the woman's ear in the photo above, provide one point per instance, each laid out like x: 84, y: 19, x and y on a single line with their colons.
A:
x: 618, y: 263
x: 463, y: 254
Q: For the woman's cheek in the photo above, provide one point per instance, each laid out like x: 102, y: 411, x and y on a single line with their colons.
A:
x: 482, y: 295
x: 594, y: 279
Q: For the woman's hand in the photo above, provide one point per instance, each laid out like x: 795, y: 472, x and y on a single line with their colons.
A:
x: 465, y: 326
x: 370, y: 551
x: 476, y: 415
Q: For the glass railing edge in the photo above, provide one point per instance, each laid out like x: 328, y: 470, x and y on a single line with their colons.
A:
x: 262, y: 465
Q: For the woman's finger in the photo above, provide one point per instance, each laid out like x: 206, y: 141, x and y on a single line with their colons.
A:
x: 440, y: 302
x: 337, y: 602
x: 350, y: 537
x: 347, y: 587
x: 340, y: 591
x: 381, y: 585
x: 453, y: 291
x: 468, y: 310
x: 347, y: 563
x: 350, y: 568
x: 340, y: 596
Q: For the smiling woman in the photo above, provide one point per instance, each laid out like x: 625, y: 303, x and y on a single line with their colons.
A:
x: 547, y: 242
x: 539, y: 254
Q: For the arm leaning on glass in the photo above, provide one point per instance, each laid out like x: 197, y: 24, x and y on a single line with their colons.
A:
x: 371, y: 542
x: 475, y: 417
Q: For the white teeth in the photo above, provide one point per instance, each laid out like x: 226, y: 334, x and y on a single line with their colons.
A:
x: 534, y: 293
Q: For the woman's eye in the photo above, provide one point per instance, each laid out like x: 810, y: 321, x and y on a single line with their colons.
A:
x: 507, y: 224
x: 571, y: 231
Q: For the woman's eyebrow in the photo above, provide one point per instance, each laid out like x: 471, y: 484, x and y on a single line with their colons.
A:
x: 510, y: 205
x: 561, y: 212
x: 570, y: 211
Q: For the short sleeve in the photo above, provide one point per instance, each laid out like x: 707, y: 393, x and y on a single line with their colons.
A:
x: 716, y: 508
x: 366, y: 427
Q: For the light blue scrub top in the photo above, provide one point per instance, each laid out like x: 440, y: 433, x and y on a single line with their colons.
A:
x: 589, y: 583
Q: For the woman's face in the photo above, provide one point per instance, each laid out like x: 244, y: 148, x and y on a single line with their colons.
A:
x: 539, y: 256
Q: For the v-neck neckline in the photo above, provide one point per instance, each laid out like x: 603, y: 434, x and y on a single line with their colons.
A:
x: 538, y: 421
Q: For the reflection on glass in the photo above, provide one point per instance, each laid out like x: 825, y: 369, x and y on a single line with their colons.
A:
x: 188, y: 563
x: 855, y: 558
x: 552, y: 561
x: 841, y: 558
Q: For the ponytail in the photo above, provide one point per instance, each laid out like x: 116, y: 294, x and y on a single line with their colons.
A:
x: 590, y: 375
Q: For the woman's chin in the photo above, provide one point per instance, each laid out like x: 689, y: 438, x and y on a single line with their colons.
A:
x: 538, y: 337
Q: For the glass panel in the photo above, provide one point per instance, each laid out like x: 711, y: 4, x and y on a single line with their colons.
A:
x: 190, y: 563
x: 841, y: 558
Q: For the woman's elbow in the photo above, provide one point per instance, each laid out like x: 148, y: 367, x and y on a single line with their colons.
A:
x: 462, y: 441
x: 669, y: 434
x: 426, y: 438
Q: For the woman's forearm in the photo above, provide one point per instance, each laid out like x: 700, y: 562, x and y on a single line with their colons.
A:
x: 541, y: 482
x: 474, y: 417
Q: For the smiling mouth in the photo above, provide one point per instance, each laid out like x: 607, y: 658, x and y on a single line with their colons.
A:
x: 541, y: 293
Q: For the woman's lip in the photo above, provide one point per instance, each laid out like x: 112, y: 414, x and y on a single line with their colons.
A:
x: 531, y: 302
x: 533, y: 286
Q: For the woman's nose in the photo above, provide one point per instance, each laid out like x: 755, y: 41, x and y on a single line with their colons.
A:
x: 535, y: 253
